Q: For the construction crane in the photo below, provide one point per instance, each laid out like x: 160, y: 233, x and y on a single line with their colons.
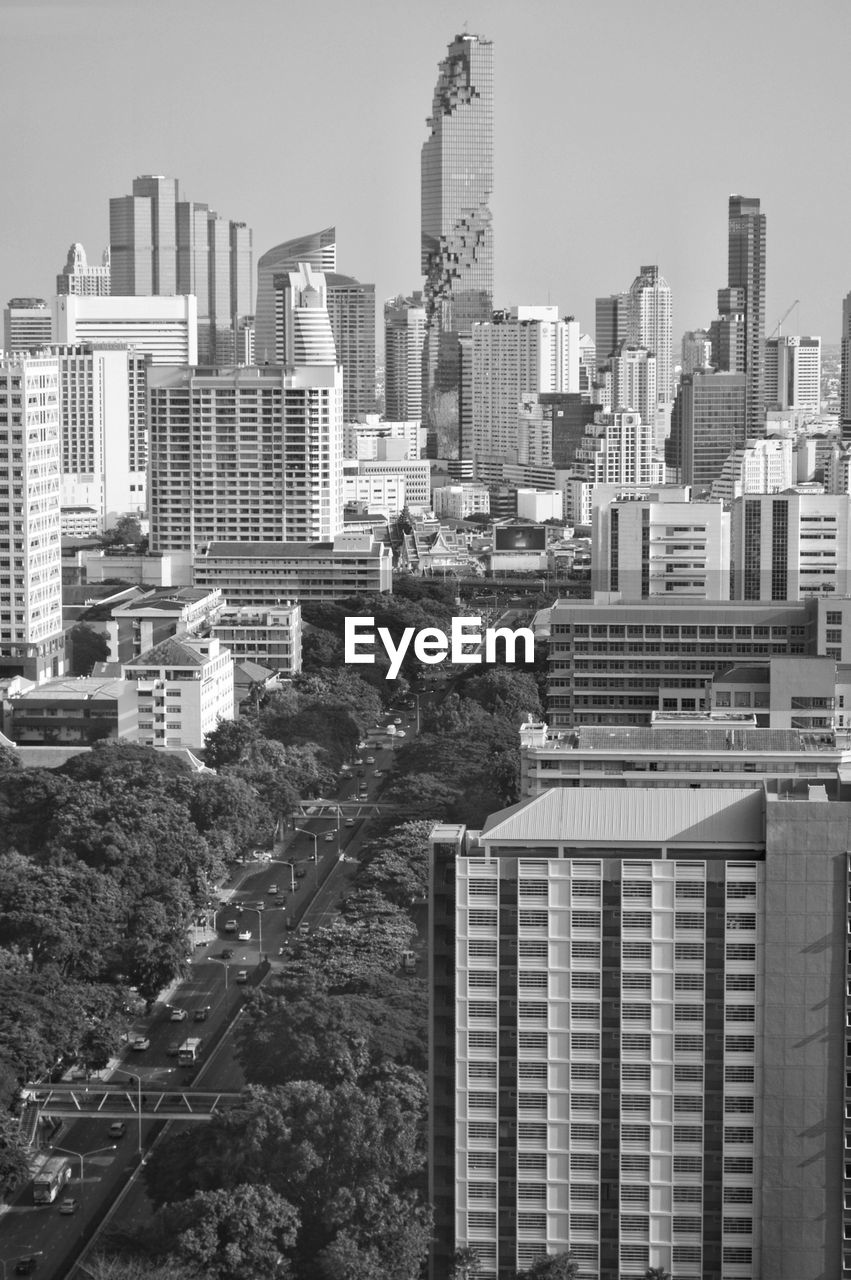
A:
x: 776, y: 333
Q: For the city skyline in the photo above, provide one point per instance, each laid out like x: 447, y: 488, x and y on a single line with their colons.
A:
x: 578, y: 236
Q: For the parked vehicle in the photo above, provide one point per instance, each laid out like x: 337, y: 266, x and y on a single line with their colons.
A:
x: 51, y: 1178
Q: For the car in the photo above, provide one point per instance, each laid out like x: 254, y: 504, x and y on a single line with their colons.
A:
x: 378, y: 774
x: 272, y: 890
x: 26, y: 1266
x: 345, y: 768
x: 140, y: 1043
x: 303, y: 929
x: 245, y: 935
x: 177, y: 1015
x: 259, y: 905
x: 358, y: 761
x: 173, y: 1049
x: 300, y: 873
x: 362, y: 746
x: 291, y: 923
x: 329, y: 836
x: 69, y: 1205
x: 117, y: 1129
x: 230, y: 926
x: 350, y: 822
x: 242, y: 976
x: 202, y: 1014
x: 400, y: 733
x: 398, y: 720
x: 370, y: 760
x: 281, y: 900
x: 226, y: 953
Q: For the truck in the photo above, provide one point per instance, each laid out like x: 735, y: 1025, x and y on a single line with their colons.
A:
x: 190, y: 1051
x: 51, y: 1179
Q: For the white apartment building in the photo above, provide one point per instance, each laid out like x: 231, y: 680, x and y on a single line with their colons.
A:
x: 457, y: 501
x: 793, y: 373
x: 164, y: 327
x: 381, y: 493
x: 525, y: 349
x: 375, y: 437
x: 761, y: 466
x: 649, y: 324
x: 790, y: 546
x: 103, y: 465
x: 416, y: 474
x: 661, y: 547
x: 628, y: 381
x: 31, y: 634
x: 183, y: 689
x: 244, y: 455
x: 271, y: 637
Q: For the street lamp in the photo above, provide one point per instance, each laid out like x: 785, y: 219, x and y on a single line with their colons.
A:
x: 314, y: 838
x: 225, y: 965
x: 83, y: 1156
x: 259, y: 915
x: 138, y: 1079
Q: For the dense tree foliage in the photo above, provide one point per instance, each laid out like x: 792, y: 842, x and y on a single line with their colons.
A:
x: 86, y: 647
x: 397, y: 865
x: 554, y: 1266
x: 227, y: 1235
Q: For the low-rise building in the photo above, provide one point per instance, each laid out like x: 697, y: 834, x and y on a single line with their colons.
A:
x: 183, y: 688
x: 457, y: 501
x: 270, y: 637
x: 73, y: 712
x: 158, y: 614
x: 262, y: 574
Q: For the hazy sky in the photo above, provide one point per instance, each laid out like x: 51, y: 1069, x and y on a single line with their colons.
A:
x: 620, y: 130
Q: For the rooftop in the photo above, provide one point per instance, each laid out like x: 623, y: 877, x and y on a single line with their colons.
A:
x: 169, y: 653
x: 94, y: 688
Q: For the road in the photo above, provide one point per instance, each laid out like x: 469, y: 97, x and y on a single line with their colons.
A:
x: 212, y: 985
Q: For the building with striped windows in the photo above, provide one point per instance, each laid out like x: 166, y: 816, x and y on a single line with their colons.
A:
x: 638, y: 1034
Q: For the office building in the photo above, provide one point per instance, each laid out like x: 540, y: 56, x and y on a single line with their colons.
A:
x: 845, y: 370
x: 263, y: 574
x: 271, y: 637
x: 166, y: 329
x: 143, y: 238
x: 621, y: 661
x: 32, y: 642
x: 415, y: 472
x: 789, y: 546
x: 404, y: 335
x: 457, y: 231
x: 457, y: 501
x: 660, y: 545
x: 246, y: 454
x: 696, y: 350
x: 746, y: 272
x: 587, y: 362
x: 793, y: 374
x: 708, y: 422
x: 638, y: 1033
x: 612, y: 325
x: 525, y: 349
x: 79, y: 278
x: 649, y: 324
x: 104, y: 459
x: 380, y: 494
x: 184, y: 688
x: 27, y: 325
x: 764, y: 465
x: 351, y: 309
x: 318, y: 251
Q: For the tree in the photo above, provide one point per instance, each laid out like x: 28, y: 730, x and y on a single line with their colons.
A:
x: 553, y: 1266
x: 466, y: 1265
x: 228, y: 742
x: 126, y: 532
x: 87, y: 647
x: 230, y: 1234
x: 107, y: 1267
x: 14, y: 1160
x: 657, y: 1273
x: 506, y: 692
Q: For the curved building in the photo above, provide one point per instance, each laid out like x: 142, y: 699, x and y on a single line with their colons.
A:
x: 318, y: 250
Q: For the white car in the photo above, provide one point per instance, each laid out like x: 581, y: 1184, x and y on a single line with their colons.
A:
x: 370, y: 760
x: 245, y: 935
x: 329, y: 835
x: 178, y: 1015
x: 140, y: 1043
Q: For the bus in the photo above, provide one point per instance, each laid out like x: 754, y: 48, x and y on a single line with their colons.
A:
x: 50, y: 1179
x: 189, y: 1052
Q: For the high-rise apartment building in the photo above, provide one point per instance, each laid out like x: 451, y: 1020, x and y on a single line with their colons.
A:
x: 788, y: 546
x: 457, y: 232
x: 696, y: 351
x: 764, y: 465
x: 318, y: 251
x: 251, y: 454
x: 32, y: 641
x: 638, y: 1033
x: 793, y: 373
x: 404, y: 336
x: 164, y: 246
x: 166, y: 329
x: 525, y: 349
x: 629, y: 380
x: 79, y: 278
x: 27, y: 324
x: 612, y: 324
x: 845, y: 370
x: 746, y: 272
x: 351, y: 309
x: 708, y: 422
x: 649, y: 324
x: 617, y: 448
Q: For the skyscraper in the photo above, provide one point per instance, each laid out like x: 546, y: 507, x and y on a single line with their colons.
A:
x: 793, y: 373
x: 845, y: 372
x: 457, y: 233
x: 79, y: 278
x: 611, y: 321
x: 351, y: 309
x: 404, y: 335
x: 746, y: 271
x: 649, y: 324
x: 318, y: 250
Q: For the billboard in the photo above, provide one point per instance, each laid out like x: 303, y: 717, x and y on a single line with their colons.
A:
x: 520, y: 537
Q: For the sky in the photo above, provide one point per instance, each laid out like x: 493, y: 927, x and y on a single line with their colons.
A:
x: 620, y: 130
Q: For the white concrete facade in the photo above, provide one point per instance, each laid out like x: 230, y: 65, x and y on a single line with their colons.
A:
x: 164, y: 327
x: 183, y: 689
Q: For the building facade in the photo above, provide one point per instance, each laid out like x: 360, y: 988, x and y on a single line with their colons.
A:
x: 788, y: 546
x: 649, y: 324
x: 166, y: 329
x: 183, y: 689
x: 319, y: 251
x: 663, y: 546
x: 27, y: 325
x: 793, y: 374
x: 263, y: 574
x: 404, y: 336
x: 271, y: 637
x: 707, y: 424
x: 79, y: 278
x: 746, y: 240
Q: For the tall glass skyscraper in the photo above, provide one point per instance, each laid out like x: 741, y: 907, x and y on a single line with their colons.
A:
x: 746, y: 271
x: 457, y: 232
